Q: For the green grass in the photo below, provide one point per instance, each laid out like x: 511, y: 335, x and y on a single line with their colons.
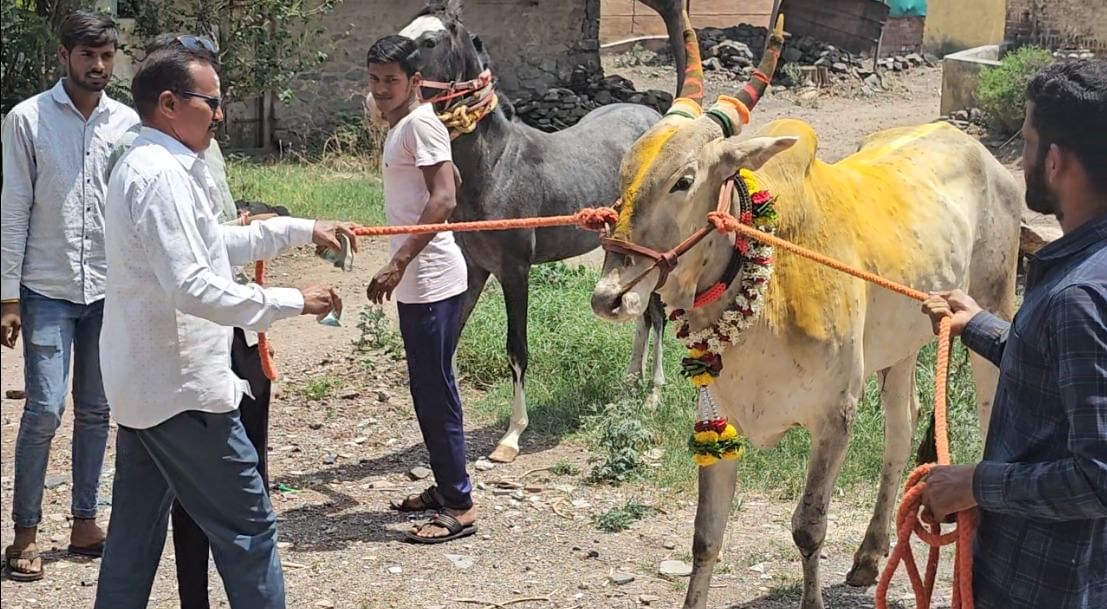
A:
x: 311, y: 191
x: 621, y: 518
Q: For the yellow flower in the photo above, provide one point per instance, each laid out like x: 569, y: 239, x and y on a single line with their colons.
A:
x: 703, y: 380
x: 707, y: 437
x: 705, y: 460
x: 734, y: 455
x: 751, y: 179
x: 696, y: 353
x: 729, y: 433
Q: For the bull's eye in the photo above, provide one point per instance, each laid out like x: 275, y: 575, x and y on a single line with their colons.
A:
x: 430, y: 43
x: 683, y: 184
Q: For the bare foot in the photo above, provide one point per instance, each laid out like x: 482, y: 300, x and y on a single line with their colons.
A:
x: 429, y: 530
x: 86, y: 534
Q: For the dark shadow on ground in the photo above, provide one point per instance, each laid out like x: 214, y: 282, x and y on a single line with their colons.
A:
x: 839, y: 596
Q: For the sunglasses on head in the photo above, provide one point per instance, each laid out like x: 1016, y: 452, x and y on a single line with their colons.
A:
x: 198, y: 43
x: 213, y: 102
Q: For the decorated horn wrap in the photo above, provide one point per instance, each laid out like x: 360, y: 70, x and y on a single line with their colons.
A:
x: 750, y: 94
x: 688, y: 104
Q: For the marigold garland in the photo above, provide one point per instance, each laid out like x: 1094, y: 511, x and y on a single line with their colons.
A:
x: 714, y: 438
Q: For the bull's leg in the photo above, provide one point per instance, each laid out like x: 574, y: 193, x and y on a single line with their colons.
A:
x: 656, y: 312
x: 515, y: 284
x: 900, y: 400
x: 477, y: 278
x: 828, y: 449
x: 716, y: 493
x: 637, y: 362
x: 985, y: 377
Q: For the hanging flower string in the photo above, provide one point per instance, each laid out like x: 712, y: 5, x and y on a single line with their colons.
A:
x: 715, y: 438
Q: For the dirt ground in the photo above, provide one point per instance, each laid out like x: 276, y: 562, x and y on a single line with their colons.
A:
x: 340, y: 458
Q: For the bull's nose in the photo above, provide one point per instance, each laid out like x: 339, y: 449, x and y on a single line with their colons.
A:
x: 605, y: 304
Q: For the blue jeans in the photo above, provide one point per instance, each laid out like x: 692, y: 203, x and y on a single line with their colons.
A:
x: 53, y: 332
x: 430, y: 332
x: 206, y: 462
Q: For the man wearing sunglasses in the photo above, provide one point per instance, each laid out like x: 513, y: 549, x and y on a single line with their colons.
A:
x: 171, y: 305
x: 190, y: 545
x: 52, y: 269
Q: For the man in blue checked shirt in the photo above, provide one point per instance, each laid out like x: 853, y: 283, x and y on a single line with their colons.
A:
x: 1042, y: 485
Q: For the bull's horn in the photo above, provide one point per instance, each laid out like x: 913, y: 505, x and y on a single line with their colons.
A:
x: 688, y: 103
x: 733, y: 112
x: 755, y: 88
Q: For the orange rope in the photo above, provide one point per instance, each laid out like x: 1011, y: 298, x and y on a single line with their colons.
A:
x: 911, y: 517
x: 267, y: 365
x: 593, y: 219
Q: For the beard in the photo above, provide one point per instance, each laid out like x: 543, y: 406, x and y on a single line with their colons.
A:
x: 1039, y: 197
x: 88, y: 82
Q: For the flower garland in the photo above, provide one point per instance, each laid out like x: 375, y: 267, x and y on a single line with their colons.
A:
x: 715, y: 438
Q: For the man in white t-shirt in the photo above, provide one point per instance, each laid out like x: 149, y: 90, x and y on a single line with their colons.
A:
x: 427, y: 274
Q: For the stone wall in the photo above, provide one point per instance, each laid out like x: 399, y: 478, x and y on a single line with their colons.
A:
x: 1059, y: 23
x: 536, y: 44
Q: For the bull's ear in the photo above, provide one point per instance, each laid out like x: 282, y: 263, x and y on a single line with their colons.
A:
x: 728, y: 155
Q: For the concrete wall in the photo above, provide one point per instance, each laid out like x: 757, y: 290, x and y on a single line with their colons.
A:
x: 961, y: 74
x: 534, y: 43
x: 1057, y: 23
x: 902, y: 35
x: 622, y: 19
x: 956, y: 25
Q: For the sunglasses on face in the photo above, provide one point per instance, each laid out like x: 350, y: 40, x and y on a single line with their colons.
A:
x: 198, y: 43
x: 213, y: 102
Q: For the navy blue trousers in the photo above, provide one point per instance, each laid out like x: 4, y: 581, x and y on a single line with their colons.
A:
x: 430, y: 332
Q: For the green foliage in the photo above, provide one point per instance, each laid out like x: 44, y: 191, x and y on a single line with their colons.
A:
x: 263, y: 44
x: 621, y: 438
x: 620, y: 519
x: 1002, y: 90
x: 564, y: 468
x: 375, y: 332
x: 29, y: 45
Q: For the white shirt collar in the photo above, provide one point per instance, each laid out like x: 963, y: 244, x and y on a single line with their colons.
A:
x: 62, y: 97
x: 186, y: 157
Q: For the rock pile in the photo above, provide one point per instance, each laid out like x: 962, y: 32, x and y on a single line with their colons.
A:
x: 738, y: 49
x: 557, y: 107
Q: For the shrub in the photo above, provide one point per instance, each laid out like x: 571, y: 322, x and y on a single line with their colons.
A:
x: 1002, y: 90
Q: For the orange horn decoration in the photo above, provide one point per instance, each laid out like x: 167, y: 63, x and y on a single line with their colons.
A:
x: 693, y: 72
x: 763, y: 74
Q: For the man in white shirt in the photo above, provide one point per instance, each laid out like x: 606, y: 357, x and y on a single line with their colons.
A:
x: 427, y: 273
x: 52, y: 268
x: 170, y: 305
x: 190, y: 545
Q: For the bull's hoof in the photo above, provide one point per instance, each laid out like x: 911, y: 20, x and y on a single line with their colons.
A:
x: 863, y: 574
x: 503, y: 454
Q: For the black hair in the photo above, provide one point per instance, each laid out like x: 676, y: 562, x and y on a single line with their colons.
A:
x: 88, y: 29
x: 395, y: 49
x: 1070, y: 110
x: 165, y: 69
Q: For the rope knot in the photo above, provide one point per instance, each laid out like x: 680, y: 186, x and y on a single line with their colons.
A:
x: 596, y: 219
x: 723, y: 221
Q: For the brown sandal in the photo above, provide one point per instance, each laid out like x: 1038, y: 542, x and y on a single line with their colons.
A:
x: 23, y: 575
x: 418, y: 503
x: 453, y: 526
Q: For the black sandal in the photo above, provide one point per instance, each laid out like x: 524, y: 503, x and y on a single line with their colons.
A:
x: 453, y: 526
x: 427, y: 501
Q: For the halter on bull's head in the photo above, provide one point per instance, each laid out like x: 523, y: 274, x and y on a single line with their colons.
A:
x: 456, y: 68
x: 671, y: 179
